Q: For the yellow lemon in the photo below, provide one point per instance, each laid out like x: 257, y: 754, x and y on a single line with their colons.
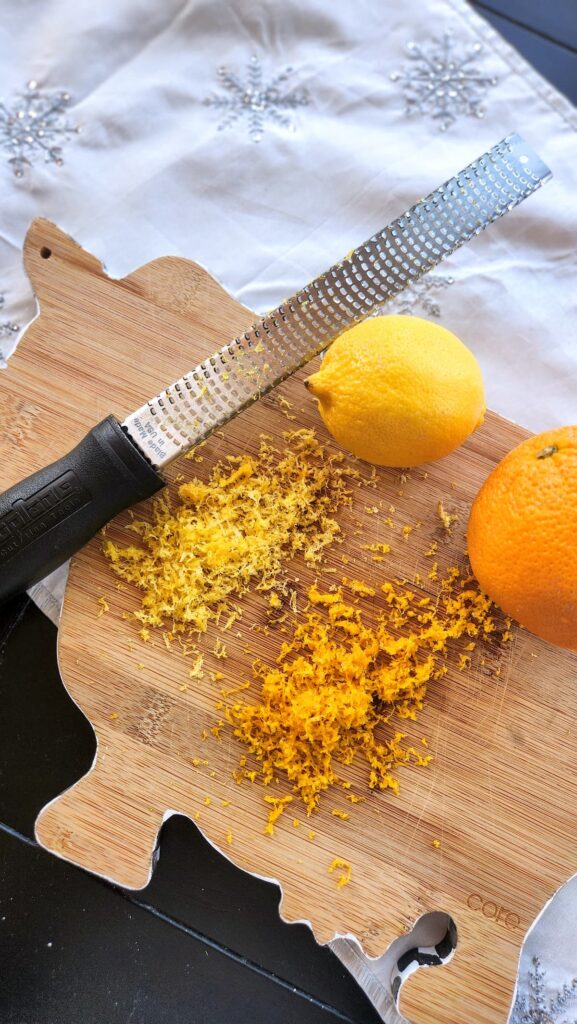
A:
x: 399, y: 391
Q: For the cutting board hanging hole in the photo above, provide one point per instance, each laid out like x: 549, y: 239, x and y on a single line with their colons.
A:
x: 442, y: 940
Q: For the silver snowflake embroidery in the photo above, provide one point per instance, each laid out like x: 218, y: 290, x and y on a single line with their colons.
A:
x: 443, y: 80
x: 536, y: 1008
x: 256, y: 100
x: 7, y: 327
x: 35, y: 125
x: 419, y: 297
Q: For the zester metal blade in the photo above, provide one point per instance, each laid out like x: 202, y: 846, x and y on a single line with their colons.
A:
x: 279, y: 343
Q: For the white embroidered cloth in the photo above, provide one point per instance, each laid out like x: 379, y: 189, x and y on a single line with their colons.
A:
x: 266, y: 181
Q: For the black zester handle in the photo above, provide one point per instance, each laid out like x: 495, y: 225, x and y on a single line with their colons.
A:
x: 50, y: 515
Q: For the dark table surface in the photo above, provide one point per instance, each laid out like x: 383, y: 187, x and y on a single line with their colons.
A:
x: 203, y: 943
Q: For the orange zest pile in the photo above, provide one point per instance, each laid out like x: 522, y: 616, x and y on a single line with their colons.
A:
x: 233, y: 532
x: 341, y: 686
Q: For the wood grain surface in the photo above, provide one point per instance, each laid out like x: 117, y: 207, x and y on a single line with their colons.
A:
x: 500, y: 792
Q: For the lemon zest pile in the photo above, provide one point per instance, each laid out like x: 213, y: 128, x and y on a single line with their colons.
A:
x: 339, y: 682
x: 233, y: 532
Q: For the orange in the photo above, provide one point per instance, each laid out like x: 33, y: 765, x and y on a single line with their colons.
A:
x: 522, y: 535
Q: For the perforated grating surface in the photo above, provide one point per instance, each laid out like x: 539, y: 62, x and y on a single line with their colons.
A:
x: 288, y: 337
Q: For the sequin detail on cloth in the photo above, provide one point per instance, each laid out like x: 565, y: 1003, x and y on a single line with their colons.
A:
x: 7, y: 327
x: 443, y: 80
x: 34, y: 126
x: 420, y: 298
x: 255, y: 100
x: 535, y: 1008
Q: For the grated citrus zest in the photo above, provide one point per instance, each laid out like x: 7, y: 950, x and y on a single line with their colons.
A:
x: 345, y: 870
x: 233, y: 531
x: 338, y: 683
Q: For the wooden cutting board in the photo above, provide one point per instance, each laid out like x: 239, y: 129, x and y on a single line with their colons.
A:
x: 501, y: 792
